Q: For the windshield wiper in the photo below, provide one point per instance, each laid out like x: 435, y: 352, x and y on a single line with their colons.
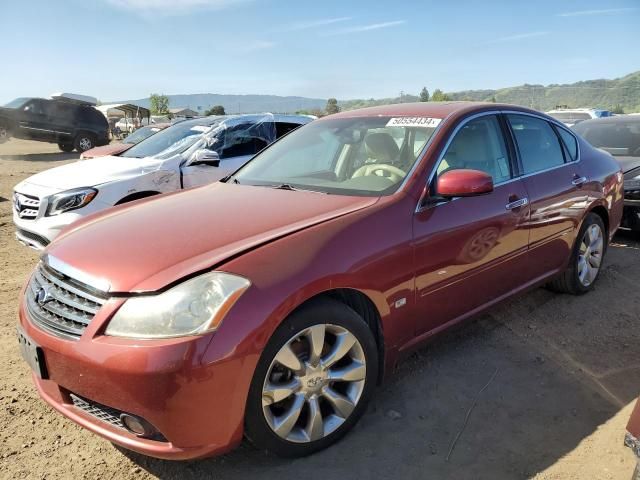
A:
x: 285, y: 186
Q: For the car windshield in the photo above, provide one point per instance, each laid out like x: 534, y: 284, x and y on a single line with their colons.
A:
x: 141, y: 134
x: 344, y: 156
x: 18, y: 102
x: 621, y: 138
x: 170, y: 141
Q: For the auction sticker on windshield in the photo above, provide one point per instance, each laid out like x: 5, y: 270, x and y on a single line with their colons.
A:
x: 414, y: 122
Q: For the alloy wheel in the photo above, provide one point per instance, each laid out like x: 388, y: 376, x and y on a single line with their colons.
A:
x: 590, y: 254
x: 314, y: 383
x: 85, y: 143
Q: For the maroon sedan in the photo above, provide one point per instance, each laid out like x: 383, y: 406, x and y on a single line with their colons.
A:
x: 272, y: 303
x: 131, y: 140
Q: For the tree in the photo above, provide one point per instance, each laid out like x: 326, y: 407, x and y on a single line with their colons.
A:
x: 424, y: 95
x: 493, y: 99
x: 215, y: 110
x: 618, y: 110
x: 159, y: 104
x: 439, y: 96
x: 332, y: 106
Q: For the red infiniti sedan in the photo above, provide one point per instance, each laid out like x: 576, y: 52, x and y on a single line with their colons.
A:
x: 269, y: 305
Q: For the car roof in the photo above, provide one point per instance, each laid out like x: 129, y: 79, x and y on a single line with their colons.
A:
x: 210, y: 120
x: 427, y: 109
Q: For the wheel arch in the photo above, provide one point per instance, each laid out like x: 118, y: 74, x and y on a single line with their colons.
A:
x: 603, y: 213
x: 365, y: 308
x: 137, y: 196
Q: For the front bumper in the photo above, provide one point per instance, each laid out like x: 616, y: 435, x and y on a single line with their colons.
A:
x: 196, y: 407
x: 39, y: 232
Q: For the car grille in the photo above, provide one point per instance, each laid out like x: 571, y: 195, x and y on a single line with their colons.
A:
x: 60, y: 305
x: 31, y: 238
x: 109, y: 415
x: 26, y: 206
x: 101, y: 412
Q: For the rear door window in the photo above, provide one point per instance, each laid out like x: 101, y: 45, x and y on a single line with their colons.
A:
x: 537, y: 143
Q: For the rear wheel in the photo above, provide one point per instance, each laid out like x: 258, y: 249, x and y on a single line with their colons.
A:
x: 84, y: 142
x: 586, y: 258
x: 66, y: 147
x: 313, y: 380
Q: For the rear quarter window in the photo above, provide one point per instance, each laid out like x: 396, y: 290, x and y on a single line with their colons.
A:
x: 570, y: 144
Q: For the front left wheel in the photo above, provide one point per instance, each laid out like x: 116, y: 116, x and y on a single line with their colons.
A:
x: 313, y: 380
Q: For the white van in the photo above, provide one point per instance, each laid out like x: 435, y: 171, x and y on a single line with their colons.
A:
x: 185, y: 155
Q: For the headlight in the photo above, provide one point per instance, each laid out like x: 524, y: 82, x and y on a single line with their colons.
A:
x: 194, y: 307
x: 70, y: 200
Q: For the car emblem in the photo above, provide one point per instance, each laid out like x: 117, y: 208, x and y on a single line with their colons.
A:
x: 43, y: 296
x: 313, y: 382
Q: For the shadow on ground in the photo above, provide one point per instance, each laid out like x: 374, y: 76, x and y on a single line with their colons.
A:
x: 563, y: 366
x: 42, y: 157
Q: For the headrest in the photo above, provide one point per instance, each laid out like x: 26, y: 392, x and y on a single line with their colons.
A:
x: 382, y: 147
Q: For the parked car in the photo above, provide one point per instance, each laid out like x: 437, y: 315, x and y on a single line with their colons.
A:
x: 573, y: 116
x: 185, y: 155
x: 126, y: 144
x: 632, y: 438
x: 130, y: 125
x: 273, y: 302
x: 66, y: 119
x: 620, y: 136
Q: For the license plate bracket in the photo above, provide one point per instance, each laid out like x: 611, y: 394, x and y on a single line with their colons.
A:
x: 32, y: 354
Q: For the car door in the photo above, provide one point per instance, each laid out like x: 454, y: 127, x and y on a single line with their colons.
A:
x: 63, y: 119
x: 35, y: 121
x: 235, y: 146
x: 471, y: 251
x: 553, y: 178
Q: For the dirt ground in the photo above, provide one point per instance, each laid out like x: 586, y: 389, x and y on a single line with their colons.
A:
x: 562, y: 371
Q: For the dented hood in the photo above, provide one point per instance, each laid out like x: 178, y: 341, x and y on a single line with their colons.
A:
x: 87, y: 173
x: 149, y: 244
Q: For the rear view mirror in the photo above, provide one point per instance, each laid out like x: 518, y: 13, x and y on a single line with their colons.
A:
x: 464, y: 183
x: 205, y: 157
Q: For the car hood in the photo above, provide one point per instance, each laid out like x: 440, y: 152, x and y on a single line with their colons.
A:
x: 112, y: 149
x: 628, y: 163
x: 146, y: 245
x: 88, y: 173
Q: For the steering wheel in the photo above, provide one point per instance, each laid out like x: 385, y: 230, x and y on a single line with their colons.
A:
x: 394, y: 173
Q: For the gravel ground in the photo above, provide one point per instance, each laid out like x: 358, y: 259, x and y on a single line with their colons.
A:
x: 562, y: 373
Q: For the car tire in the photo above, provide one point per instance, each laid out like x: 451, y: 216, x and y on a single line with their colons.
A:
x: 84, y: 141
x: 586, y: 258
x: 5, y: 134
x: 293, y: 414
x: 66, y: 147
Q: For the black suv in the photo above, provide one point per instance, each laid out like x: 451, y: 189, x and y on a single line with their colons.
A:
x: 68, y: 123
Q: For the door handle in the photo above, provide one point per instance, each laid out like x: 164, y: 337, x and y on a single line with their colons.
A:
x: 517, y: 203
x: 579, y: 181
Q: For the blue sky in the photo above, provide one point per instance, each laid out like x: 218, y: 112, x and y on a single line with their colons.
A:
x: 126, y: 49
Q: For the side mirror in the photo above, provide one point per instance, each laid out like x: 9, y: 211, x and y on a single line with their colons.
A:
x: 464, y: 183
x: 205, y: 157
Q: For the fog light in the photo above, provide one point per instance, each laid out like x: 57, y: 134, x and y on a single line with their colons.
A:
x: 135, y: 425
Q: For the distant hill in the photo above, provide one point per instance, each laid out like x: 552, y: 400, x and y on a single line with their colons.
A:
x: 608, y: 94
x: 201, y: 102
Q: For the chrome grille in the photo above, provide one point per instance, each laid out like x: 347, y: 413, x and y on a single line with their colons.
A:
x: 26, y: 206
x: 101, y: 412
x: 59, y: 305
